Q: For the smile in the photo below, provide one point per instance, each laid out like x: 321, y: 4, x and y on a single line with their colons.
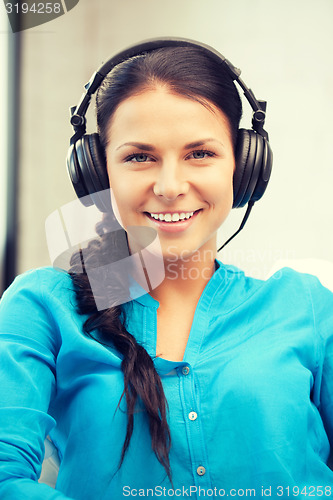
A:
x: 171, y: 217
x: 173, y: 222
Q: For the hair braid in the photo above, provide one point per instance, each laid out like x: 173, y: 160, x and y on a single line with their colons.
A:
x: 141, y: 380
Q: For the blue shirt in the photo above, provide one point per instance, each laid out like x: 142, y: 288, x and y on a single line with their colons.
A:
x: 250, y: 405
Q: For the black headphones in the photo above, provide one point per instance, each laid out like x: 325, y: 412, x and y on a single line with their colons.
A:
x: 86, y: 160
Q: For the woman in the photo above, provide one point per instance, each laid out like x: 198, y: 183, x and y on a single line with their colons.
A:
x: 213, y: 383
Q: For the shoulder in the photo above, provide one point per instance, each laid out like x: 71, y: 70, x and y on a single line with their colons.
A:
x: 286, y: 288
x: 45, y: 286
x: 281, y: 278
x: 40, y: 281
x: 301, y: 284
x: 304, y: 298
x: 36, y: 306
x: 40, y: 306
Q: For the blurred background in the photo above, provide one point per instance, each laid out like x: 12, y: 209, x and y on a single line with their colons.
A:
x: 284, y: 50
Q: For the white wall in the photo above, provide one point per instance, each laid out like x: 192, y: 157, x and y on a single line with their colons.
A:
x: 284, y: 49
x: 3, y: 138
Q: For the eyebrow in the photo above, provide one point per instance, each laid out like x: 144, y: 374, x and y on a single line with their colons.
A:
x: 139, y: 145
x: 202, y: 143
x: 149, y: 147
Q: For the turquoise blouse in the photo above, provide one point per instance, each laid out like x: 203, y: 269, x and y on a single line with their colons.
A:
x: 250, y: 405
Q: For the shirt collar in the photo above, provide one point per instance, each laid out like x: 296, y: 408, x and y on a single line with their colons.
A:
x: 147, y: 300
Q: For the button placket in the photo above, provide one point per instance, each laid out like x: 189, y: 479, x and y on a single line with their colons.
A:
x: 190, y: 397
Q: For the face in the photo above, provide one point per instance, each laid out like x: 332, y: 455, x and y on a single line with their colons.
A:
x: 170, y: 164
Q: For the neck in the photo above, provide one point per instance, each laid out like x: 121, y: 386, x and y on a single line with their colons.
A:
x: 185, y: 278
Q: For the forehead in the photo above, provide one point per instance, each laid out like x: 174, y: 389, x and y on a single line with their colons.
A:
x: 159, y: 111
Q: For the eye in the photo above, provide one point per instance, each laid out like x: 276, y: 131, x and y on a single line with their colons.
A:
x: 200, y: 154
x: 138, y: 158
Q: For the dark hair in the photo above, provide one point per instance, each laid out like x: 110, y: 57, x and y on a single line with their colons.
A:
x: 191, y: 73
x: 186, y: 71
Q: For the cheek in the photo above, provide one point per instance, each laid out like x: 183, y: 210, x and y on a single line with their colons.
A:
x: 115, y: 208
x: 125, y: 198
x: 129, y: 188
x: 118, y: 196
x: 219, y: 192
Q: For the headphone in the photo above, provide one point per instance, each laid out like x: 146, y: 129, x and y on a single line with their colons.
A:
x: 86, y: 160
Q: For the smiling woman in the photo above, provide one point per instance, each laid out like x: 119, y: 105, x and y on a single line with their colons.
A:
x: 210, y: 382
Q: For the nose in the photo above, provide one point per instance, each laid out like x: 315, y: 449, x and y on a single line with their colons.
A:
x: 170, y: 183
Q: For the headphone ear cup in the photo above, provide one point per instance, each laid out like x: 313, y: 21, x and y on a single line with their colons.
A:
x: 101, y: 196
x: 253, y: 167
x: 245, y: 155
x: 75, y: 175
x: 98, y: 161
x: 87, y: 170
x: 265, y: 172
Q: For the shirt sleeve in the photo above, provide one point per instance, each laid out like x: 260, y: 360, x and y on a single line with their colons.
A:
x: 322, y: 310
x: 29, y: 342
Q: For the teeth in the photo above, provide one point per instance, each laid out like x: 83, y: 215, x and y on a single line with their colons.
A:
x: 175, y: 217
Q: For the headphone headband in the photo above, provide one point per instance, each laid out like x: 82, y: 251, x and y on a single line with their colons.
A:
x: 78, y: 120
x: 86, y: 158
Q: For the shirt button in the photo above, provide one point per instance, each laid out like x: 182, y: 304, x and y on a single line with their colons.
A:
x: 201, y: 470
x: 192, y: 415
x: 186, y: 370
